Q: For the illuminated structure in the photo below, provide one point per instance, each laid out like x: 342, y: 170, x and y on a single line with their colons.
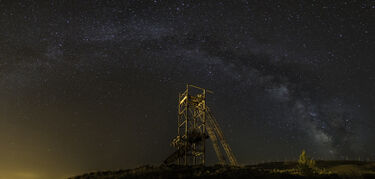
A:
x: 195, y: 124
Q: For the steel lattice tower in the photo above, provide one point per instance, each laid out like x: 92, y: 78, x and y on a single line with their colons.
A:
x: 195, y: 124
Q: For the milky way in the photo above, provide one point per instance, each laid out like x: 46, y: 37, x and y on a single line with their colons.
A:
x: 93, y: 85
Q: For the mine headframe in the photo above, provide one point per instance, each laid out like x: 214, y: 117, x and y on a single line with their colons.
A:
x: 195, y: 124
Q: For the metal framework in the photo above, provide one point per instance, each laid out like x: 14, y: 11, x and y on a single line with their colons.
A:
x: 195, y: 124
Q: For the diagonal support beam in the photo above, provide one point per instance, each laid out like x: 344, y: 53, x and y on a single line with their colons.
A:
x: 219, y: 132
x: 215, y: 143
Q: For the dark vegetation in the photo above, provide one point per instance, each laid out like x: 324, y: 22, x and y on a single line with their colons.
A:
x: 320, y: 169
x: 305, y: 167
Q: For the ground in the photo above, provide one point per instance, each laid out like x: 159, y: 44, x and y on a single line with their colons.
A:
x: 324, y: 169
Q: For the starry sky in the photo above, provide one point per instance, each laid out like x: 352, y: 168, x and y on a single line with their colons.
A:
x: 93, y: 85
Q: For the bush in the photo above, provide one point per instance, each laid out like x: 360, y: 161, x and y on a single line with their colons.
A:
x: 306, y: 165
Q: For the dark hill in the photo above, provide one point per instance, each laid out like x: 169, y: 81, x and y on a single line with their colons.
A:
x: 326, y: 169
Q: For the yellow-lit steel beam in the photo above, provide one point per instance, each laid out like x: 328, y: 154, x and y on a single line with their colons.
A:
x: 209, y: 91
x: 222, y: 140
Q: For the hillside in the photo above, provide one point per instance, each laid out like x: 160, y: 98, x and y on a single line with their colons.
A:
x: 325, y: 169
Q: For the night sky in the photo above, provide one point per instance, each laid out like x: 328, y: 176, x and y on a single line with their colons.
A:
x: 94, y: 85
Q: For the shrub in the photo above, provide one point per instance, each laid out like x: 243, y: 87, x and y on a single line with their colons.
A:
x: 306, y: 165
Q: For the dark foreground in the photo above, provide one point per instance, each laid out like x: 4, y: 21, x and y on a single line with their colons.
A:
x: 325, y: 169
